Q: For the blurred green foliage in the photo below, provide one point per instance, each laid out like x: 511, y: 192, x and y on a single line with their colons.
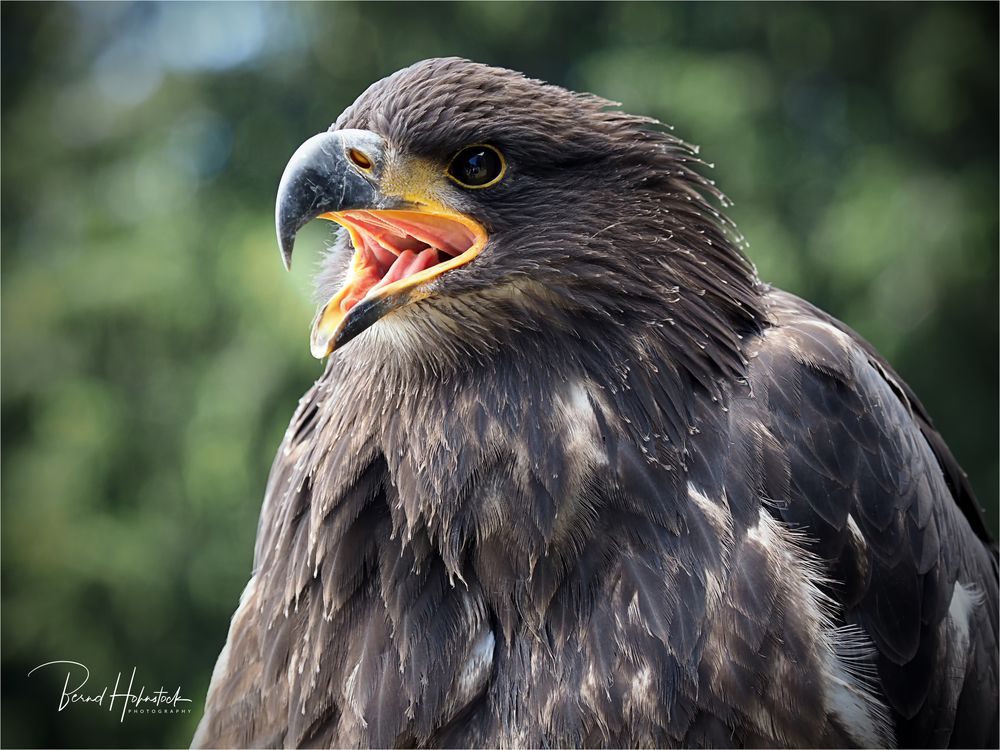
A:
x: 153, y: 350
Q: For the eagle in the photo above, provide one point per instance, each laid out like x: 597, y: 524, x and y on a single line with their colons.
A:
x: 574, y: 475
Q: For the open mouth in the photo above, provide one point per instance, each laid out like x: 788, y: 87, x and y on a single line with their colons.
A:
x: 394, y: 251
x: 402, y: 246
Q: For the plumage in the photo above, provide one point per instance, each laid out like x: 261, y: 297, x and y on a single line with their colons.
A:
x: 601, y: 485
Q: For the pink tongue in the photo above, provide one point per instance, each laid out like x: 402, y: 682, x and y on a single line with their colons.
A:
x: 407, y: 264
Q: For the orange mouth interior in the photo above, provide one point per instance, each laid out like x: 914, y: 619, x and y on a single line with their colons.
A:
x: 395, y: 250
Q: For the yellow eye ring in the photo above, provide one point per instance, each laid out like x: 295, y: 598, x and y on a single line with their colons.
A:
x: 477, y: 166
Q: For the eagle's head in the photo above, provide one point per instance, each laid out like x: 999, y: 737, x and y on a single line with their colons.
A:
x: 482, y: 208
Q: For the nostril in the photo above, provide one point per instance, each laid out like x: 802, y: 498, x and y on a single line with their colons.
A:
x: 360, y: 158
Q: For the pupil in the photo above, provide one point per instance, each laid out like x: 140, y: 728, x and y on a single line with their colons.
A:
x: 476, y: 168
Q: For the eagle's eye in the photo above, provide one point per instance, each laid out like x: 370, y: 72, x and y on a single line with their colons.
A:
x: 477, y: 166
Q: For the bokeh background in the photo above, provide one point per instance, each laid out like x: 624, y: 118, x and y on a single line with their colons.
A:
x: 153, y: 348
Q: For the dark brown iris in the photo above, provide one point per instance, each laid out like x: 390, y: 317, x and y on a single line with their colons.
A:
x: 476, y: 166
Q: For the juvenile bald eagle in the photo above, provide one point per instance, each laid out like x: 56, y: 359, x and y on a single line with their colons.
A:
x: 574, y: 476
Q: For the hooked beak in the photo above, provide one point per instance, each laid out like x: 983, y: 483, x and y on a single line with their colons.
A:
x: 319, y: 178
x: 402, y: 233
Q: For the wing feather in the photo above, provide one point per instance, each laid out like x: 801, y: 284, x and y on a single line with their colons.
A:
x: 880, y: 500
